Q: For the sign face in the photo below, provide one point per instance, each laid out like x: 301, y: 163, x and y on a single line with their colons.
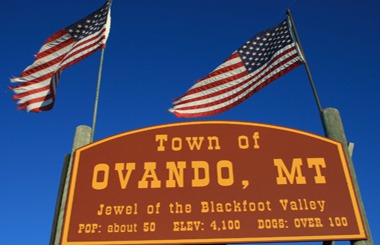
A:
x: 211, y: 182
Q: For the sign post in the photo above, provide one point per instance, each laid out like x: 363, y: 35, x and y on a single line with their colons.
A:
x: 333, y: 127
x: 81, y: 138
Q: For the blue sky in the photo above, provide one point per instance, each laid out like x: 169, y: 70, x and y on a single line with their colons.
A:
x: 155, y: 52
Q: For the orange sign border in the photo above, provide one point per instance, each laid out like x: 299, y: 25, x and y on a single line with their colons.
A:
x: 73, y: 179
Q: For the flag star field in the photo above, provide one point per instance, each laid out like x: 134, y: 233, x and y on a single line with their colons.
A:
x: 263, y: 46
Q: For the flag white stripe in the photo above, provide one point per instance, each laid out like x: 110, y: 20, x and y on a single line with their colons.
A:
x: 43, y: 94
x: 225, y: 104
x: 255, y: 76
x: 37, y: 105
x: 222, y: 76
x: 80, y: 45
x: 37, y: 93
x: 227, y: 63
x: 232, y: 92
x: 51, y: 56
x: 34, y: 96
x: 47, y: 70
x: 72, y: 48
x: 243, y: 87
x: 32, y: 87
x: 55, y: 42
x: 242, y: 69
x: 212, y: 80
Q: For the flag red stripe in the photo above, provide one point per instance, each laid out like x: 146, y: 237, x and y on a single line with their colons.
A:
x: 219, y: 110
x: 83, y: 50
x: 50, y: 41
x: 42, y: 67
x: 224, y: 69
x: 46, y: 98
x: 62, y: 49
x: 216, y: 111
x: 36, y: 100
x: 264, y: 58
x: 232, y: 96
x: 30, y: 92
x: 36, y: 80
x: 216, y: 83
x: 244, y: 82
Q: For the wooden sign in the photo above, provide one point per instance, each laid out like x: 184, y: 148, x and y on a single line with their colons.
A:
x: 211, y: 182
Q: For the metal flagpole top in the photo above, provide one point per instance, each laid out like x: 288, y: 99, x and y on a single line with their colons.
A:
x: 293, y: 27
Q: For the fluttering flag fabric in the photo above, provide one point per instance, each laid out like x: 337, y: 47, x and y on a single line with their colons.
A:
x: 64, y: 48
x: 264, y: 58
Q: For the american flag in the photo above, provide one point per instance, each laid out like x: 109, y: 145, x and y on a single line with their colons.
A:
x: 261, y: 60
x: 61, y: 50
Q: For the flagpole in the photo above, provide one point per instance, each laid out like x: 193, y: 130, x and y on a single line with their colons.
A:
x: 97, y: 95
x: 333, y: 128
x: 305, y: 62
